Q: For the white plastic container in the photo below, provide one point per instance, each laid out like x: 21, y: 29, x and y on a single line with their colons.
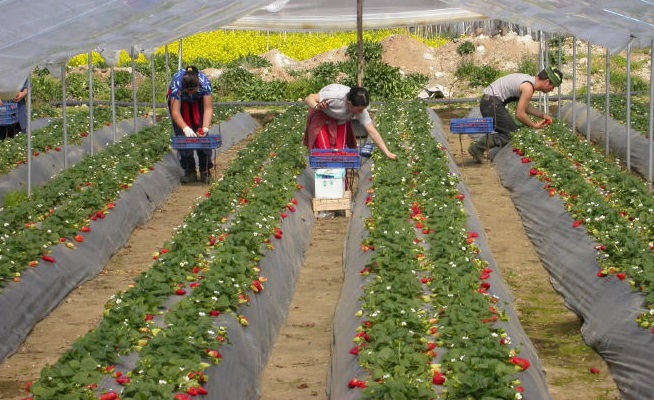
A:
x: 330, y: 183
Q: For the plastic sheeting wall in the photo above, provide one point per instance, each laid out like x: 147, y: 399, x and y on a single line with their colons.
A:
x: 640, y: 149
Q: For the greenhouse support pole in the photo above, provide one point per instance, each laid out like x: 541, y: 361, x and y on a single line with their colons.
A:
x: 574, y: 84
x: 134, y: 55
x: 542, y: 63
x: 91, y: 100
x: 65, y: 123
x: 651, y: 120
x: 360, y: 42
x: 180, y: 50
x: 167, y: 66
x: 29, y: 135
x: 558, y: 89
x: 629, y: 104
x: 589, y: 83
x: 154, y: 95
x: 113, y: 102
x: 607, y: 100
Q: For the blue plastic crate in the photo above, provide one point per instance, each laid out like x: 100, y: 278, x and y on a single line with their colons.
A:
x: 367, y: 149
x: 335, y: 158
x: 196, y: 143
x: 472, y: 125
x: 8, y: 113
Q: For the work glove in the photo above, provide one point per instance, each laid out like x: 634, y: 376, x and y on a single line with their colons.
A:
x: 188, y: 132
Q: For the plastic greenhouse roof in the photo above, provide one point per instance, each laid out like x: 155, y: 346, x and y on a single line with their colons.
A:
x: 37, y: 33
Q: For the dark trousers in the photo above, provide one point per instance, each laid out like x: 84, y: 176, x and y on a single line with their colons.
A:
x: 492, y: 107
x: 187, y: 157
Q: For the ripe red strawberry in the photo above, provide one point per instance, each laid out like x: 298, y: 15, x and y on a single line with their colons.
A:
x: 79, y: 238
x: 49, y: 259
x: 214, y: 354
x: 215, y: 313
x: 182, y: 396
x: 86, y: 228
x: 621, y: 275
x: 109, y: 396
x: 284, y: 215
x: 594, y: 370
x: 123, y: 380
x: 439, y: 378
x: 356, y: 383
x: 256, y: 286
x: 577, y: 223
x: 180, y: 292
x: 520, y: 363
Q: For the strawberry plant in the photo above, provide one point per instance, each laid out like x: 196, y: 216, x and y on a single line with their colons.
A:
x: 428, y: 313
x: 613, y: 206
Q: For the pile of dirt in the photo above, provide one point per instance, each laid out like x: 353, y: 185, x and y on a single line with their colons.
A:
x: 412, y: 56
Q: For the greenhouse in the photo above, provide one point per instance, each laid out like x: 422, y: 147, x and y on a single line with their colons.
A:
x: 426, y: 306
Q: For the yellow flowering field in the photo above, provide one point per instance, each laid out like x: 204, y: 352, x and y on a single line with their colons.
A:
x: 228, y: 45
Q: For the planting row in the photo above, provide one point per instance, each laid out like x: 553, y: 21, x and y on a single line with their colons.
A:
x: 61, y: 215
x: 159, y: 336
x: 435, y: 319
x: 590, y: 222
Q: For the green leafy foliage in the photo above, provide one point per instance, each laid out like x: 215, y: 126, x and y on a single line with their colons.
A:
x: 477, y: 76
x: 465, y: 48
x: 372, y: 51
x: 528, y: 65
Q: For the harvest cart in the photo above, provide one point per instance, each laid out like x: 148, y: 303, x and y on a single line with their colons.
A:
x: 348, y: 159
x: 472, y: 126
x: 209, y: 142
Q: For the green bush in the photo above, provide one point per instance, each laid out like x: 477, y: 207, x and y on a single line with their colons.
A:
x: 46, y: 89
x: 122, y: 78
x: 237, y: 84
x: 385, y: 82
x: 372, y: 51
x: 250, y: 61
x: 465, y: 48
x: 476, y: 75
x: 619, y: 82
x: 528, y: 65
x: 77, y: 85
